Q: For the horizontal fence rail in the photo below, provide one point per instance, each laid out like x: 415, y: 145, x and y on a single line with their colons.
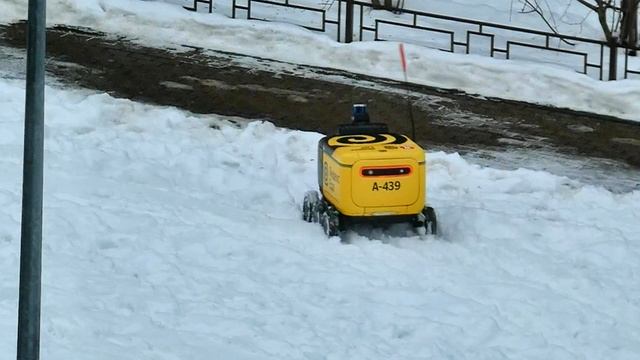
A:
x: 324, y: 20
x: 344, y: 19
x: 209, y: 3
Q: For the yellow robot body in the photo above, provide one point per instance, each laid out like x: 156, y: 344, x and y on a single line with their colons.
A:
x: 366, y: 173
x: 372, y: 175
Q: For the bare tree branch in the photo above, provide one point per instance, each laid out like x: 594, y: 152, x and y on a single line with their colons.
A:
x: 553, y: 18
x: 537, y: 9
x: 589, y: 5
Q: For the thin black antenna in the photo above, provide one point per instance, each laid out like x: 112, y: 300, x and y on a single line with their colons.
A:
x: 403, y: 60
x: 413, y: 123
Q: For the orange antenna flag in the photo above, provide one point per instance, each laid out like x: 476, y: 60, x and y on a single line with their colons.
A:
x: 403, y: 58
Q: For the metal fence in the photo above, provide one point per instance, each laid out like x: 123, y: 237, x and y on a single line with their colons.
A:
x: 352, y: 20
x: 322, y: 13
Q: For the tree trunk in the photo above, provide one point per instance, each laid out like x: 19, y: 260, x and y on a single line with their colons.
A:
x: 629, y: 25
x: 602, y: 18
x: 391, y: 5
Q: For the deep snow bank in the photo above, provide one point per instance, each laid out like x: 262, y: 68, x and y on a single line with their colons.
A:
x: 174, y: 236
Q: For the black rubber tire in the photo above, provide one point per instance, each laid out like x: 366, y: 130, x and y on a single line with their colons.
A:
x: 430, y: 220
x: 310, y: 206
x: 324, y: 222
x: 330, y: 221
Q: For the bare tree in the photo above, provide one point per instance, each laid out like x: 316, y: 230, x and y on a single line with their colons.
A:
x: 622, y: 27
x: 532, y: 6
x: 618, y: 19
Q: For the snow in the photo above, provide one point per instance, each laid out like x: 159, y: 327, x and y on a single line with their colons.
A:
x: 169, y: 235
x: 168, y: 25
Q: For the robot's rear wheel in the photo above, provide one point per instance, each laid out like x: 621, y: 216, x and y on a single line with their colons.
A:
x: 310, y: 206
x: 430, y: 220
x: 330, y: 220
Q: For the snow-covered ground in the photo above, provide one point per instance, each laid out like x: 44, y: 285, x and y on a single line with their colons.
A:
x: 174, y: 236
x: 167, y: 24
x: 169, y: 235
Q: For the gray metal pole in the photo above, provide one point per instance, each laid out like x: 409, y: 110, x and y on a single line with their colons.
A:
x: 31, y: 235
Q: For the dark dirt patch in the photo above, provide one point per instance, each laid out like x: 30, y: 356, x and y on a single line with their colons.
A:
x: 208, y: 82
